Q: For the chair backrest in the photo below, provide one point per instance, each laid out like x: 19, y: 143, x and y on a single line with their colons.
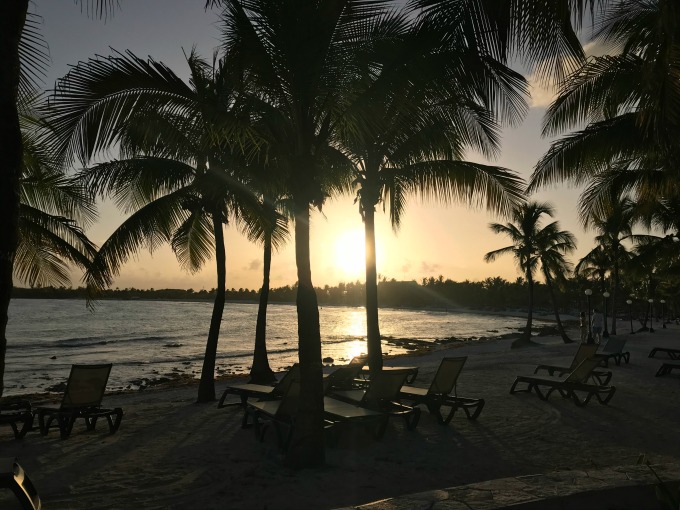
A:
x: 288, y: 407
x: 342, y: 377
x: 86, y: 385
x: 281, y: 387
x: 447, y: 374
x: 384, y: 387
x: 359, y: 360
x: 584, y: 351
x: 581, y: 373
x: 614, y: 345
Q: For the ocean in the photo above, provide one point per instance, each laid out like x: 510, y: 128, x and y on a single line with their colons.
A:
x: 151, y: 341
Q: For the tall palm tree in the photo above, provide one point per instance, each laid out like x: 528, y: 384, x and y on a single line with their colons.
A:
x: 303, y: 60
x: 409, y: 132
x: 175, y: 175
x: 552, y: 245
x: 532, y: 244
x: 23, y: 60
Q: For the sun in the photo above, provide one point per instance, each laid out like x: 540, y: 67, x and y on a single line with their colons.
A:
x: 350, y: 255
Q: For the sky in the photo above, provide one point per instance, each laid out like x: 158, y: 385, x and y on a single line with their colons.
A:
x: 434, y: 239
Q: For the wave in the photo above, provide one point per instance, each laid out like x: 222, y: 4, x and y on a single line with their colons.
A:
x: 98, y: 340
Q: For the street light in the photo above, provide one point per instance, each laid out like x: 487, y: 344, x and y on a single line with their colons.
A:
x: 630, y: 314
x: 663, y: 320
x: 606, y: 331
x: 590, y: 328
x: 651, y: 315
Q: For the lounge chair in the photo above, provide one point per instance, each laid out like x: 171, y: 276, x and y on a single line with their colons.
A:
x: 246, y: 390
x: 342, y: 378
x: 13, y: 477
x: 439, y: 395
x: 569, y: 386
x: 667, y: 368
x: 613, y: 349
x: 381, y: 396
x: 672, y: 353
x: 584, y: 351
x: 17, y: 415
x: 280, y: 413
x: 82, y: 399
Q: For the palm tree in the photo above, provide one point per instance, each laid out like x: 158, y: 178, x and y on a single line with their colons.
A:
x: 272, y: 234
x: 174, y: 175
x: 23, y: 61
x: 629, y: 103
x: 553, y: 244
x: 303, y: 60
x: 532, y: 246
x: 50, y: 210
x: 408, y: 134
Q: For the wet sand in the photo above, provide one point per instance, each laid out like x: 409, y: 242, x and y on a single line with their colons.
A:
x: 173, y: 453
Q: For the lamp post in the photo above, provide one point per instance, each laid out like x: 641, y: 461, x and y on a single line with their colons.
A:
x: 590, y: 328
x: 663, y: 320
x: 606, y: 331
x: 651, y: 315
x: 630, y: 314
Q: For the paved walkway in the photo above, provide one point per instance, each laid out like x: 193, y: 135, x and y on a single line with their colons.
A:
x: 625, y: 487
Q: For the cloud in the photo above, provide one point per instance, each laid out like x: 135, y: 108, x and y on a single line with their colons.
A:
x: 429, y: 268
x: 542, y: 94
x: 254, y: 265
x: 406, y: 267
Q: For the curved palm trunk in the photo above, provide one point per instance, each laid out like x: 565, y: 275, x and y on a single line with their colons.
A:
x: 206, y: 388
x: 375, y: 361
x: 560, y: 327
x: 12, y: 19
x: 261, y: 373
x: 307, y: 446
x: 525, y: 337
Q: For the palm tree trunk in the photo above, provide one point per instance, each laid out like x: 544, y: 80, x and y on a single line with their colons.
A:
x: 374, y: 347
x: 206, y: 388
x: 261, y: 373
x: 12, y: 19
x: 560, y: 327
x: 616, y: 285
x: 307, y: 446
x: 525, y: 337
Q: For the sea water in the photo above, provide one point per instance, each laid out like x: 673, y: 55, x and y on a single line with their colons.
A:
x: 152, y: 340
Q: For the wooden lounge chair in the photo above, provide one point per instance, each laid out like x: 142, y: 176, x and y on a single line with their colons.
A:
x: 82, y: 399
x: 667, y: 368
x: 584, y: 351
x: 613, y: 349
x: 438, y: 395
x: 672, y: 353
x: 246, y: 390
x: 13, y: 477
x: 568, y: 387
x: 17, y: 415
x: 381, y: 395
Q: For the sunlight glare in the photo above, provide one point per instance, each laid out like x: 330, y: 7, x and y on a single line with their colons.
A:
x: 350, y: 255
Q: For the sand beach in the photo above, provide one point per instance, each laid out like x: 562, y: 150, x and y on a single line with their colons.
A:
x: 173, y: 453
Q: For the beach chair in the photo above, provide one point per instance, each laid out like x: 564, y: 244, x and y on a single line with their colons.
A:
x: 667, y: 368
x: 438, y: 395
x: 246, y: 390
x: 672, y: 353
x: 381, y: 396
x: 613, y: 349
x: 82, y: 399
x: 280, y: 413
x: 342, y: 378
x: 584, y: 351
x: 13, y: 477
x: 17, y: 415
x: 569, y: 387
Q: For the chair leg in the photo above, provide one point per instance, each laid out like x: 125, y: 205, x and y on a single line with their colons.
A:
x: 114, y: 424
